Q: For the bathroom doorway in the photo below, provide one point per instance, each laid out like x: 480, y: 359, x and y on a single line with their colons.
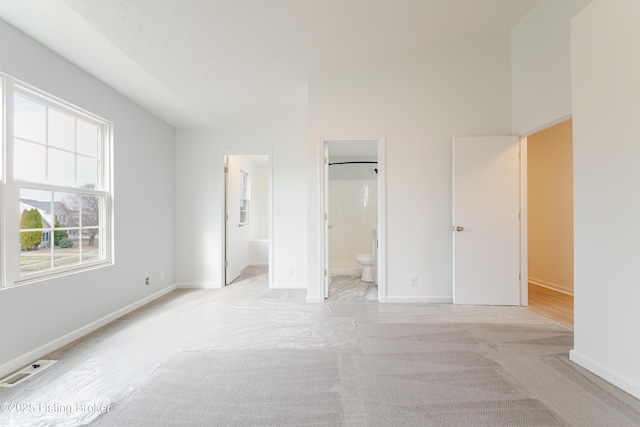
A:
x: 353, y: 195
x: 247, y: 217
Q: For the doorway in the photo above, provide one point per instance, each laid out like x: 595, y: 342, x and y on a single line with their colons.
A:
x: 247, y: 224
x: 353, y: 257
x: 549, y: 212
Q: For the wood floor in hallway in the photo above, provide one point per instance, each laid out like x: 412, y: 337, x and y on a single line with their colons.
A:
x: 552, y: 304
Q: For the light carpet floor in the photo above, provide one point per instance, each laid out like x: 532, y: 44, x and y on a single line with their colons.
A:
x: 246, y: 355
x: 401, y: 374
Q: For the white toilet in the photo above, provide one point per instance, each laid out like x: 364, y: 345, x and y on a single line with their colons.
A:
x: 366, y: 260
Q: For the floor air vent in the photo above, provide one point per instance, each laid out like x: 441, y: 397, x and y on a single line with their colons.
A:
x: 23, y: 374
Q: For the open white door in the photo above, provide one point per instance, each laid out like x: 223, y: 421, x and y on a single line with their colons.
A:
x: 233, y: 244
x: 326, y: 221
x: 486, y: 223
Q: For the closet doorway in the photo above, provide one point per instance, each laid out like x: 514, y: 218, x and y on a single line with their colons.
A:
x: 549, y: 160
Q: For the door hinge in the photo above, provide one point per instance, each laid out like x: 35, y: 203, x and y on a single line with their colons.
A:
x: 226, y: 169
x: 226, y: 264
x: 518, y: 215
x: 326, y: 273
x: 226, y: 217
x: 326, y: 216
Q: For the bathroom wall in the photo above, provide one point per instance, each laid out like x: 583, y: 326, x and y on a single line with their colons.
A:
x: 353, y: 213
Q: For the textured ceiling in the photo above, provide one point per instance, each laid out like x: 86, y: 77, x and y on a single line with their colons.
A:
x: 203, y: 63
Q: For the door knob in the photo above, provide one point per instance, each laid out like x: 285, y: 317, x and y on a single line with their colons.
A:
x: 459, y: 228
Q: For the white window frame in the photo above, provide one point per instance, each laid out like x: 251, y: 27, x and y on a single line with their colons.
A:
x: 10, y: 188
x: 245, y: 196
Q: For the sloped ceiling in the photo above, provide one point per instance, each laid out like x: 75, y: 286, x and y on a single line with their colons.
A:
x: 203, y: 63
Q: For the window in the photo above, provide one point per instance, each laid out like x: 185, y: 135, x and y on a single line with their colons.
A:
x: 244, y: 198
x: 57, y: 173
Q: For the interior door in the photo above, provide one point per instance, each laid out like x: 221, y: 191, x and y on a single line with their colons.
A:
x: 486, y: 220
x: 233, y: 245
x: 325, y: 256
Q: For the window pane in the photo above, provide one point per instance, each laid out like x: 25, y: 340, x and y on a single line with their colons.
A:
x: 29, y: 161
x: 35, y: 215
x: 30, y: 119
x: 62, y: 132
x: 37, y: 205
x: 87, y: 172
x: 67, y: 207
x: 91, y: 244
x: 90, y: 211
x: 87, y: 139
x: 61, y: 168
x: 244, y: 211
x: 67, y: 252
x: 63, y: 214
x: 33, y: 260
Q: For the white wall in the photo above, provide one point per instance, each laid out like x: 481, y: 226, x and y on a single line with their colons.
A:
x: 199, y: 185
x: 541, y: 65
x: 260, y: 202
x: 35, y: 315
x: 606, y: 107
x: 418, y: 103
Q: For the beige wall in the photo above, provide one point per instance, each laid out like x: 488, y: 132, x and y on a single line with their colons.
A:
x: 550, y: 207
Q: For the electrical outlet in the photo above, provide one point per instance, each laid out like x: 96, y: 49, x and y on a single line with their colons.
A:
x: 414, y: 281
x: 162, y: 276
x: 290, y: 271
x: 146, y: 281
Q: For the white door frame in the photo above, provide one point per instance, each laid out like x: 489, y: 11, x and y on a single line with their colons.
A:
x: 223, y: 231
x: 323, y: 171
x: 524, y: 227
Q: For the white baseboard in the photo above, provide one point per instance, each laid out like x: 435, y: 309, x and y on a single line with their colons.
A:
x: 398, y: 300
x: 258, y: 264
x: 35, y: 354
x: 198, y: 285
x: 289, y: 285
x: 345, y: 272
x: 614, y: 377
x: 419, y: 299
x: 552, y: 286
x: 314, y: 300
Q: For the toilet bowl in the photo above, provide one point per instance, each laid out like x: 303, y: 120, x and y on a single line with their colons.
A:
x: 366, y: 261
